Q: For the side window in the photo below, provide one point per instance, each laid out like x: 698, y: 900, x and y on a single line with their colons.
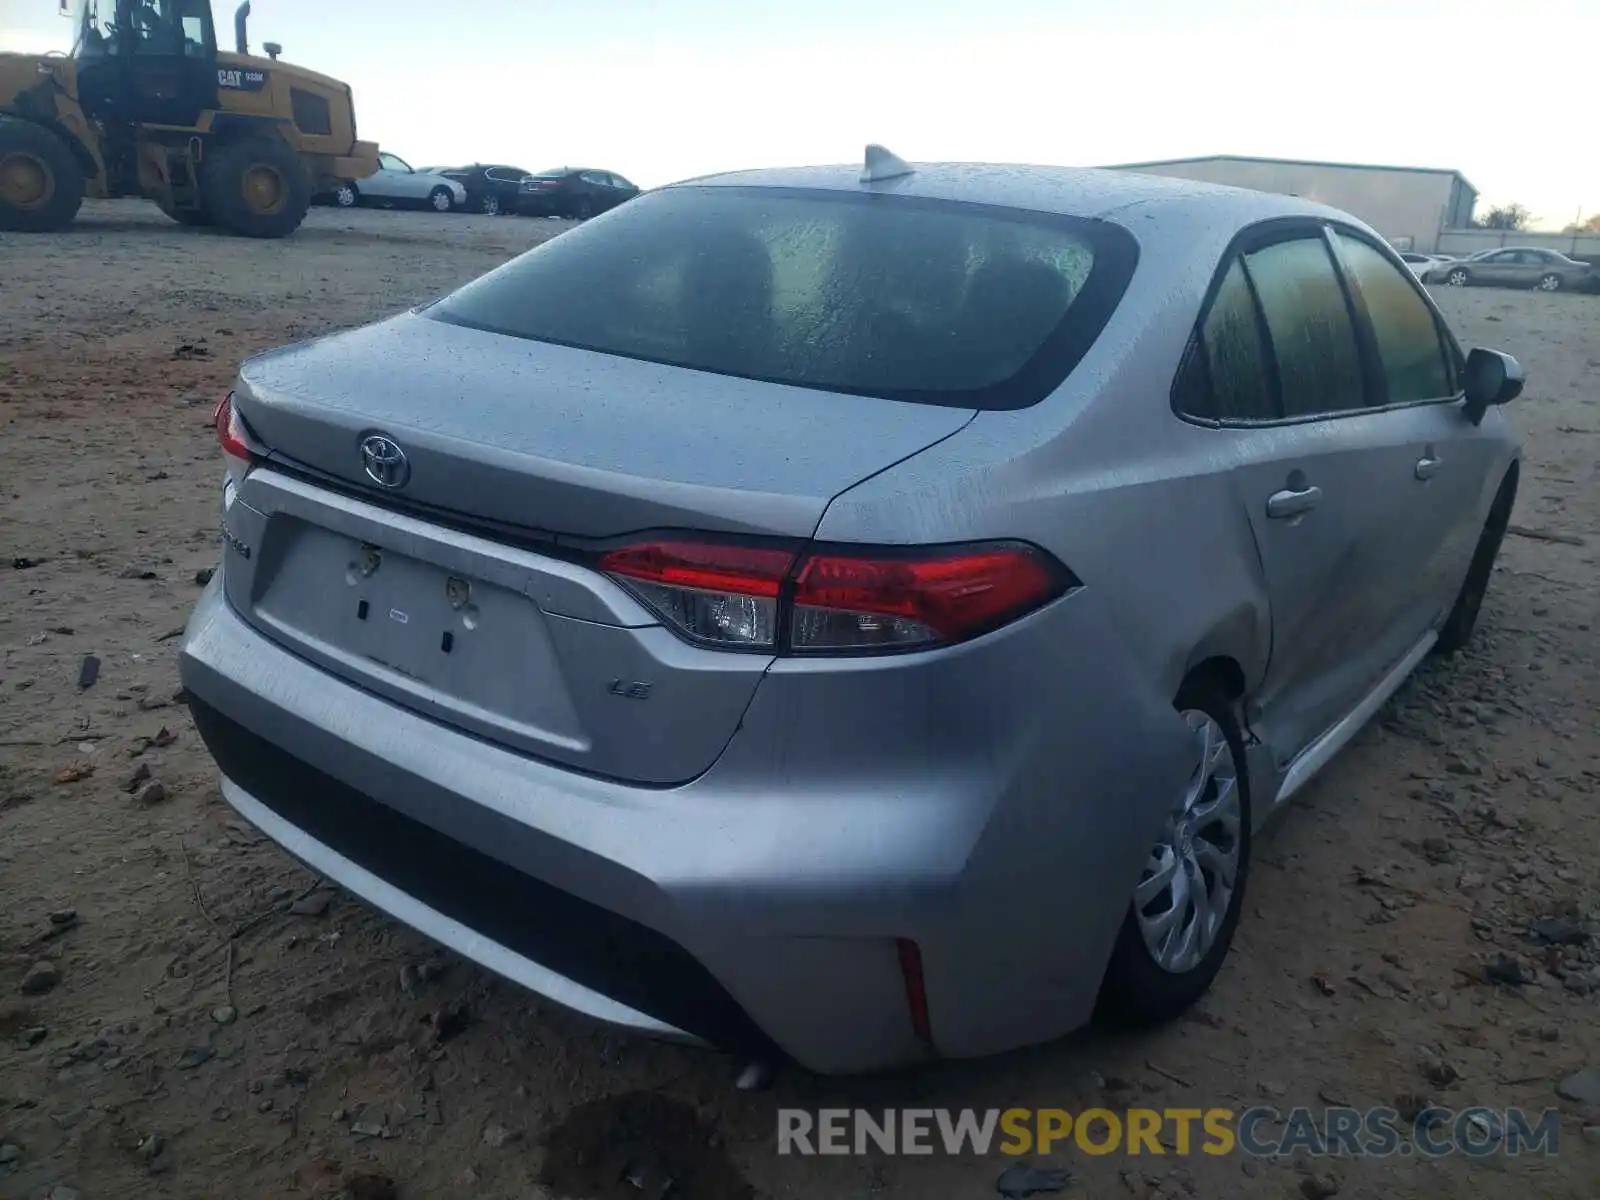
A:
x: 1308, y: 321
x: 96, y: 33
x: 1236, y: 357
x: 152, y: 23
x: 1408, y: 339
x: 390, y: 163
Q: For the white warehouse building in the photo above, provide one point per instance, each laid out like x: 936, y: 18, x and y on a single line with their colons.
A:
x: 1410, y: 206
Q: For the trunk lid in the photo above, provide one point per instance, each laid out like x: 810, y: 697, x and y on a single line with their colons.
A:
x: 563, y: 441
x: 411, y: 593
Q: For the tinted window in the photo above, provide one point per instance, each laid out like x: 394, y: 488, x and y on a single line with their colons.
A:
x: 1236, y: 354
x: 1406, y: 333
x: 909, y: 299
x: 1313, y: 340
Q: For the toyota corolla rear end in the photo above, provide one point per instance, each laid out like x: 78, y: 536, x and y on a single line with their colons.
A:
x: 525, y: 632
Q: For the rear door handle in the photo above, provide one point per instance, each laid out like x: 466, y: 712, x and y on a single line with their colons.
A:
x: 1427, y: 466
x: 1287, y: 503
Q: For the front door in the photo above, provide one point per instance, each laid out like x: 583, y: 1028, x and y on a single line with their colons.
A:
x: 146, y: 61
x: 394, y: 180
x: 172, y: 64
x: 1499, y: 267
x: 1450, y: 457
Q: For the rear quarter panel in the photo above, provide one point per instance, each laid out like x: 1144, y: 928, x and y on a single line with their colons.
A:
x: 1101, y: 473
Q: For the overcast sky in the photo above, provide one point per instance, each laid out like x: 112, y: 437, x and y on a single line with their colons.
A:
x: 661, y: 90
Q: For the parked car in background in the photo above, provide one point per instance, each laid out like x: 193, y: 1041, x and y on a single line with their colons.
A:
x: 1420, y: 264
x: 1516, y: 266
x: 575, y: 192
x: 731, y: 620
x: 397, y: 184
x: 490, y: 189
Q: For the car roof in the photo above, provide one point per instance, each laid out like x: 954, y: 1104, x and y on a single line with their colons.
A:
x: 1070, y: 191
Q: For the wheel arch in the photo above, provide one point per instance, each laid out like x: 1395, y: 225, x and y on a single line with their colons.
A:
x: 1231, y: 652
x: 1221, y: 671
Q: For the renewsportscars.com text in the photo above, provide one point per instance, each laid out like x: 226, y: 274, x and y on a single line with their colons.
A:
x: 1260, y: 1131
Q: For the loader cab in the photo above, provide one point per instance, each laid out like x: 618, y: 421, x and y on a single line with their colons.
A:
x: 145, y: 62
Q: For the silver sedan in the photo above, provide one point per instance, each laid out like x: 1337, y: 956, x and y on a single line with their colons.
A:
x: 1527, y: 267
x: 854, y: 614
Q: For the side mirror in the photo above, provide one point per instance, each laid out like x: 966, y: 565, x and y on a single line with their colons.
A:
x: 1491, y: 378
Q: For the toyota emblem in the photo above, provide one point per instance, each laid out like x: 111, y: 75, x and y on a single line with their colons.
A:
x: 385, y: 463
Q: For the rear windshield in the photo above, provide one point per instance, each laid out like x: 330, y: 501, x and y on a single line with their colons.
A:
x: 891, y: 296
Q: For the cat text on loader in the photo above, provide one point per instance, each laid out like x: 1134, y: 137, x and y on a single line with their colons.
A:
x: 146, y: 105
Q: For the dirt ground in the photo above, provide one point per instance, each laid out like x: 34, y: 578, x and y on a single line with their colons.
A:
x: 217, y: 1028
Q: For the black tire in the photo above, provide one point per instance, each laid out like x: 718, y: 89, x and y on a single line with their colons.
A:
x: 1136, y: 991
x: 440, y: 200
x: 41, y: 183
x: 583, y: 210
x: 256, y: 188
x: 347, y: 195
x: 193, y: 217
x: 1458, y: 627
x: 490, y: 205
x: 1458, y: 278
x: 1550, y: 283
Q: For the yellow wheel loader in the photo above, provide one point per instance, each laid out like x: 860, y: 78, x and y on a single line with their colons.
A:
x: 146, y: 105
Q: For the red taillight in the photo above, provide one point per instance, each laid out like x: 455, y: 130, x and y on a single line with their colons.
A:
x: 230, y: 431
x: 724, y: 595
x: 835, y: 600
x: 916, y: 987
x: 848, y: 602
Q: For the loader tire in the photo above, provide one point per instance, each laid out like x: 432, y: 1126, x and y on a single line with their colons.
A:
x: 256, y: 188
x: 41, y: 183
x: 193, y: 217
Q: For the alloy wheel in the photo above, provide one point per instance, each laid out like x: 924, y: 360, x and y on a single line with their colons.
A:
x: 491, y: 205
x: 1550, y: 283
x: 1457, y: 279
x: 346, y: 196
x: 1186, y: 889
x: 441, y: 201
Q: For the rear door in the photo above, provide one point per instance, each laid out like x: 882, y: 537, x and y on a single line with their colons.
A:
x: 1321, y: 475
x: 503, y: 182
x: 1525, y: 268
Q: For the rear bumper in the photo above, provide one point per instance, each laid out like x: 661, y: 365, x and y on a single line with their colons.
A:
x: 759, y: 904
x: 465, y: 899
